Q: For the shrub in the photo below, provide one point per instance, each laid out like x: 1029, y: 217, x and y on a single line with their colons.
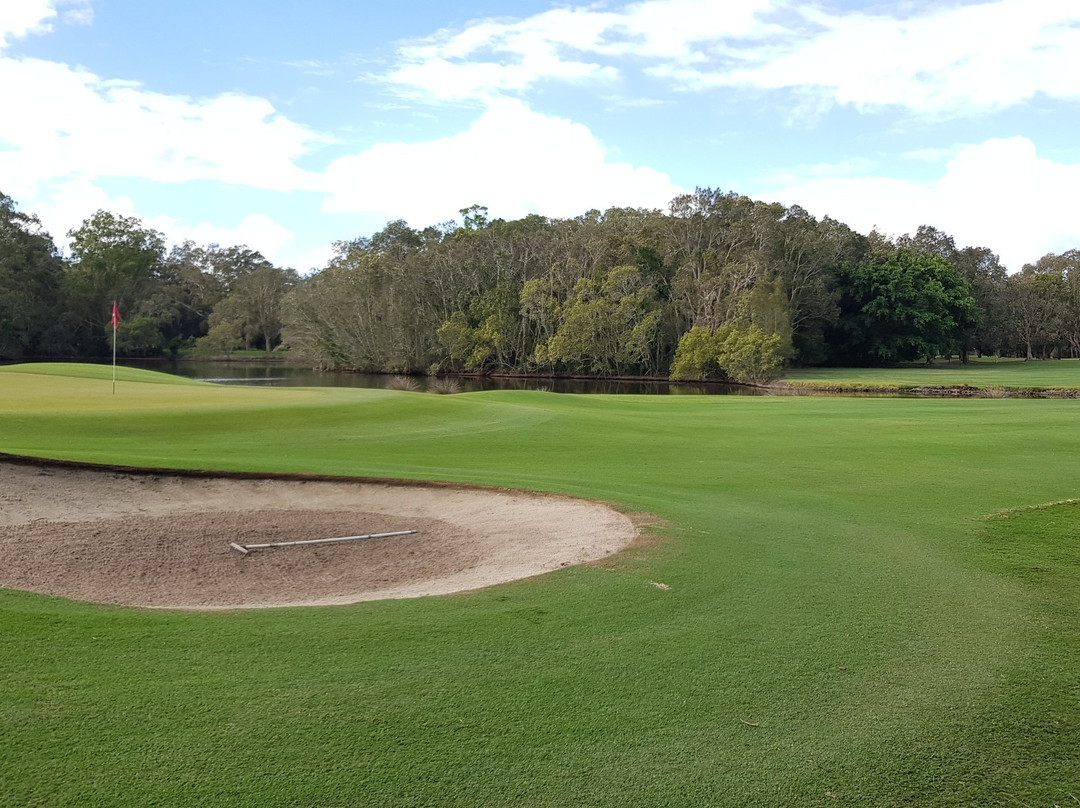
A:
x: 744, y: 354
x: 444, y: 386
x: 749, y: 355
x: 405, y: 383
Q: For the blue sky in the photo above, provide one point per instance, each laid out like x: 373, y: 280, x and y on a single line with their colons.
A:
x: 289, y: 126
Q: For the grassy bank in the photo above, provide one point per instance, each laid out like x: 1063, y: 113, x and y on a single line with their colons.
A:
x: 844, y: 624
x: 1014, y: 374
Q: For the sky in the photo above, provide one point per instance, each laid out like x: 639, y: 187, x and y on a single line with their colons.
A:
x: 288, y: 126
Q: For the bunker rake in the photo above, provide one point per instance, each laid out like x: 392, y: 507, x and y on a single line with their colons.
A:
x: 244, y: 549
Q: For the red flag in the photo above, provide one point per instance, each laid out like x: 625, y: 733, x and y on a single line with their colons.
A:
x: 115, y: 316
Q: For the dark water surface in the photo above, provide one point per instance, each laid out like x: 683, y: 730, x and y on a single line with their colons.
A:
x: 277, y: 375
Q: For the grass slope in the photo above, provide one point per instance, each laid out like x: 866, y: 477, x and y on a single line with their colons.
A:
x: 1007, y: 373
x: 843, y: 625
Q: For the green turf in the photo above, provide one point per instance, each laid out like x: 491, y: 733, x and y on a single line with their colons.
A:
x: 844, y: 625
x: 103, y: 372
x: 1007, y: 373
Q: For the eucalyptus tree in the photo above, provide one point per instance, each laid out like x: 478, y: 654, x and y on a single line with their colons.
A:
x: 710, y: 241
x: 987, y: 280
x: 1066, y: 266
x: 114, y: 258
x: 188, y: 289
x: 376, y: 306
x: 228, y: 265
x: 254, y: 305
x: 1045, y: 304
x: 31, y: 279
x: 804, y: 255
x: 606, y: 326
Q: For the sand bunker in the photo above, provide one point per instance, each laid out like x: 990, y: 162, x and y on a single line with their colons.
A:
x: 162, y: 540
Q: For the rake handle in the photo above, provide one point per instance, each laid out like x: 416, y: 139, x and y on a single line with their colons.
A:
x: 245, y: 548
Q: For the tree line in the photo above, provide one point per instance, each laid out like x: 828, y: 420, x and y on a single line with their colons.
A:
x: 718, y: 285
x: 171, y: 300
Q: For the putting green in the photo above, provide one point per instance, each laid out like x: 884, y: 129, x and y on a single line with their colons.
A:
x: 833, y: 628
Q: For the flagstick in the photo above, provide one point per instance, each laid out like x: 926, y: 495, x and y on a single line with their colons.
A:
x: 114, y: 319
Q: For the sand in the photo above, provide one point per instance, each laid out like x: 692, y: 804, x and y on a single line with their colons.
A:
x: 161, y: 540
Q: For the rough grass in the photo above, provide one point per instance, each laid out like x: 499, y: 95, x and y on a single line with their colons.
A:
x: 405, y: 384
x: 1011, y: 374
x: 841, y: 627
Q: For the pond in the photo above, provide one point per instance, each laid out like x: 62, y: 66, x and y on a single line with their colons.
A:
x: 279, y: 375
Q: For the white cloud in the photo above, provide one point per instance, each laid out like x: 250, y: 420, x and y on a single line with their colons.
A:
x: 257, y: 231
x: 21, y: 17
x: 940, y: 61
x: 511, y: 159
x: 489, y: 58
x: 998, y: 194
x: 77, y: 12
x: 65, y: 206
x: 309, y: 260
x: 968, y: 58
x: 71, y: 123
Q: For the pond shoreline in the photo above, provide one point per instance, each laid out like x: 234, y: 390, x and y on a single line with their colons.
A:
x: 281, y: 371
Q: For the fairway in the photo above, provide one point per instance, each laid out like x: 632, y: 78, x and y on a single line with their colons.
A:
x: 846, y: 602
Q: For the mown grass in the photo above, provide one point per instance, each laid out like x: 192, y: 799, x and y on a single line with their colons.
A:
x: 988, y: 372
x: 842, y: 626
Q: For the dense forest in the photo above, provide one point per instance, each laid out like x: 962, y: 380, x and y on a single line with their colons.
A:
x: 718, y: 286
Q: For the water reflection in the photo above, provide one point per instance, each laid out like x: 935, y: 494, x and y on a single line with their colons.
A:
x: 277, y: 375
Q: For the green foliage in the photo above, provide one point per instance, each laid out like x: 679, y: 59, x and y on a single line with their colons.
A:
x: 484, y: 338
x: 474, y: 217
x: 222, y: 339
x: 607, y: 325
x: 768, y: 307
x: 697, y: 357
x: 1039, y: 311
x: 605, y: 293
x: 477, y: 347
x: 749, y: 355
x: 138, y: 336
x: 744, y: 354
x: 253, y: 305
x: 31, y: 277
x: 115, y: 258
x: 899, y: 307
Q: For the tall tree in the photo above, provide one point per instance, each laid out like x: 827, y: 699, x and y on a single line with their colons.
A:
x: 1037, y: 301
x: 114, y: 258
x: 31, y: 277
x: 607, y: 326
x: 186, y: 294
x: 804, y: 254
x: 985, y: 276
x: 252, y: 309
x: 901, y: 307
x: 710, y: 241
x: 1065, y: 266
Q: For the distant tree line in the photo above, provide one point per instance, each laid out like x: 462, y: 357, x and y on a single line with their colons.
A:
x: 189, y: 298
x: 719, y: 286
